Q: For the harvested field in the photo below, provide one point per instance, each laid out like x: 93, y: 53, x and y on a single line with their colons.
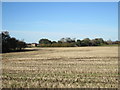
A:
x: 70, y: 67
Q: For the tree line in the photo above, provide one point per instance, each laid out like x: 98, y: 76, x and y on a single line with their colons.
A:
x: 68, y: 42
x: 10, y: 43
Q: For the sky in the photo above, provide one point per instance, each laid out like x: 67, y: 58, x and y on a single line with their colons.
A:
x: 32, y: 21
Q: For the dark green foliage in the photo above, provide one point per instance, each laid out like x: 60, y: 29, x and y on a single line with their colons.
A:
x: 58, y: 45
x: 68, y: 42
x: 116, y: 42
x: 64, y: 42
x: 45, y: 41
x: 97, y: 42
x: 54, y: 42
x: 20, y: 45
x: 86, y: 42
x: 10, y: 44
x: 5, y: 38
x: 78, y: 43
x: 59, y: 41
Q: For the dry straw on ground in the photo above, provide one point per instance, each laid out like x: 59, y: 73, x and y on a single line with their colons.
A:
x: 73, y: 67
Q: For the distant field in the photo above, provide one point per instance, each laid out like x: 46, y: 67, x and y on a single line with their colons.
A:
x: 71, y: 67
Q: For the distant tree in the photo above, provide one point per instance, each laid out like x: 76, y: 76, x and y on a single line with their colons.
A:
x: 67, y: 40
x: 10, y: 44
x: 62, y: 40
x: 86, y: 42
x: 97, y: 42
x: 109, y: 42
x: 20, y: 45
x: 78, y: 43
x: 101, y: 40
x: 59, y: 42
x: 5, y: 39
x: 54, y: 42
x: 0, y: 43
x: 93, y: 42
x: 116, y: 42
x: 44, y: 41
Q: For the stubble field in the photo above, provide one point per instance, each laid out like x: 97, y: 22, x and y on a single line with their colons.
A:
x: 71, y: 67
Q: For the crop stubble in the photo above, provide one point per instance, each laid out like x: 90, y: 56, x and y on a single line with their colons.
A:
x: 71, y: 67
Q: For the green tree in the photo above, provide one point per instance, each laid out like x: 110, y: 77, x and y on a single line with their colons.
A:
x: 10, y: 44
x: 86, y: 42
x: 78, y: 43
x: 97, y: 42
x: 20, y: 45
x: 44, y: 41
x: 5, y: 38
x: 54, y: 42
x: 109, y: 42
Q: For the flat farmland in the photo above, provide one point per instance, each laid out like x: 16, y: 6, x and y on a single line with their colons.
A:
x: 64, y: 67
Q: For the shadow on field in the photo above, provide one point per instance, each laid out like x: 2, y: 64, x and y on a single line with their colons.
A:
x: 23, y: 50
